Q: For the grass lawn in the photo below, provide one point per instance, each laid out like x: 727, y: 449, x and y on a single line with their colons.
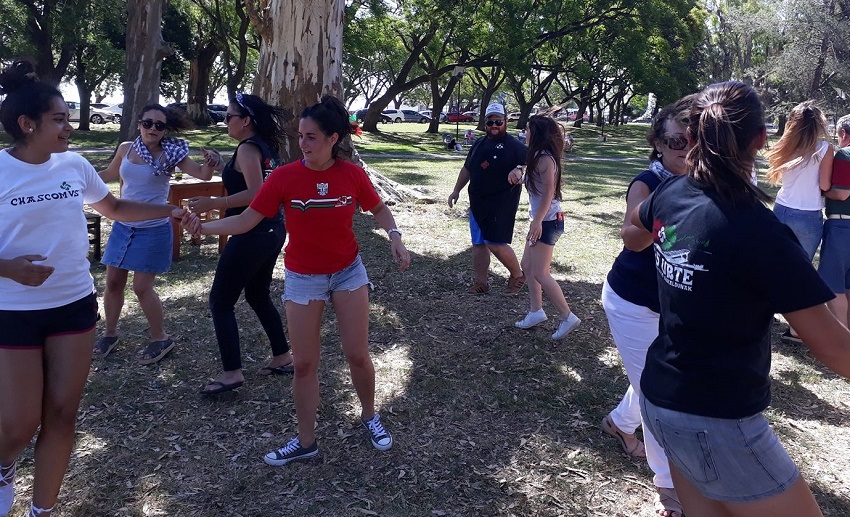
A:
x: 487, y: 419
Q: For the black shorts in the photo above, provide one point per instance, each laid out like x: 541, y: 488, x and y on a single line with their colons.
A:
x: 30, y: 329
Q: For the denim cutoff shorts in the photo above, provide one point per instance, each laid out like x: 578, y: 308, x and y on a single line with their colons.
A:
x: 551, y: 231
x: 144, y: 250
x: 727, y: 459
x: 302, y: 289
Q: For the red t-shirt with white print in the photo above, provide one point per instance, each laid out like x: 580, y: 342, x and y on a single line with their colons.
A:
x: 319, y: 208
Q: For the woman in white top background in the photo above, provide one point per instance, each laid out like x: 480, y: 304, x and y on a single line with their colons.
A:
x: 798, y: 161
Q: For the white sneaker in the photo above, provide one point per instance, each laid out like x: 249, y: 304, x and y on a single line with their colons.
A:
x: 566, y: 326
x: 531, y: 319
x: 7, y: 488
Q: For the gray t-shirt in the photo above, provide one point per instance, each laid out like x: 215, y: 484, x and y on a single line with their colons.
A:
x: 535, y: 199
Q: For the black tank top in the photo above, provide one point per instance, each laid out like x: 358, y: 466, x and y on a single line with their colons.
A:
x: 234, y: 180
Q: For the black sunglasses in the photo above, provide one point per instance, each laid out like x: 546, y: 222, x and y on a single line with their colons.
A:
x: 229, y: 116
x: 497, y: 123
x: 676, y: 142
x: 148, y: 123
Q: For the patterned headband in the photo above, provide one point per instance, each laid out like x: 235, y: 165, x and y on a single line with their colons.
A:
x: 240, y: 100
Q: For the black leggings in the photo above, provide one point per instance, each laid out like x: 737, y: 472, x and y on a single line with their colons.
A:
x: 247, y: 262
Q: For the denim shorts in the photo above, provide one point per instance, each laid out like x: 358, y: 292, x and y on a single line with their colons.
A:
x: 145, y: 250
x: 807, y: 226
x: 834, y: 266
x: 477, y: 236
x: 552, y: 231
x: 734, y: 460
x: 30, y: 329
x: 302, y: 289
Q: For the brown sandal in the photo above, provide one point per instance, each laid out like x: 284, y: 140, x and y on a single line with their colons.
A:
x: 635, y: 448
x: 515, y: 285
x: 479, y: 288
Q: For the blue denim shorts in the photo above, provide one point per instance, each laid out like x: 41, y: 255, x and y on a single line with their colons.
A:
x: 551, y: 232
x: 302, y: 289
x: 145, y: 250
x: 734, y: 460
x: 807, y: 226
x: 834, y: 266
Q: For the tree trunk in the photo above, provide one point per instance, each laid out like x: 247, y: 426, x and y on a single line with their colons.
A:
x: 300, y: 61
x: 145, y: 52
x: 199, y: 83
x: 300, y: 57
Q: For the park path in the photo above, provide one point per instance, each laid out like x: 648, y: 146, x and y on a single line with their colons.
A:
x: 430, y: 156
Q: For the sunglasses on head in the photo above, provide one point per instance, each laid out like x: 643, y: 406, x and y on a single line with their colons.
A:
x: 676, y: 142
x: 148, y: 123
x: 229, y: 116
x: 497, y: 123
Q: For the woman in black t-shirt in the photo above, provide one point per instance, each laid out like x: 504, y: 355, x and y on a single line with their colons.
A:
x: 718, y: 252
x: 248, y: 260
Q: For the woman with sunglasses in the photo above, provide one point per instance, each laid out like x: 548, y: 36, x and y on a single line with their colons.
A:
x: 48, y: 306
x: 718, y: 252
x: 247, y: 261
x: 630, y: 298
x: 320, y: 195
x: 144, y: 247
x: 800, y: 161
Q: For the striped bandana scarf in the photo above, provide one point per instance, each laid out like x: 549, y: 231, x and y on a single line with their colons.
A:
x: 174, y: 150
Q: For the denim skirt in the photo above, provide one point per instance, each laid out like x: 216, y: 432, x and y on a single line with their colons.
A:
x: 144, y: 250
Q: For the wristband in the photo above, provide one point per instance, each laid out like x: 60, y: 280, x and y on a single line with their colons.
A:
x: 391, y: 231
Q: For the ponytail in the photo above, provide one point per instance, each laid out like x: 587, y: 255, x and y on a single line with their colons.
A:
x: 725, y: 120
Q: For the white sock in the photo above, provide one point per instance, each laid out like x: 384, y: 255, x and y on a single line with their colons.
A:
x: 35, y: 511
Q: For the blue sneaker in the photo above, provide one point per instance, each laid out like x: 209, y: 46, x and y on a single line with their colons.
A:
x: 292, y: 451
x: 380, y: 437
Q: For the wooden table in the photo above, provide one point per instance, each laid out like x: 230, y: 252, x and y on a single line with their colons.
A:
x: 191, y: 187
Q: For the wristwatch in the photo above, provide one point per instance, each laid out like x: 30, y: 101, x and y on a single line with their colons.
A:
x: 391, y: 231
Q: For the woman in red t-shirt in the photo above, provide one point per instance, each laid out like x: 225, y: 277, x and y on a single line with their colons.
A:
x: 319, y: 194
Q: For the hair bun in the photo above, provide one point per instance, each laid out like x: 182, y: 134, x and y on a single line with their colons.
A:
x: 17, y: 76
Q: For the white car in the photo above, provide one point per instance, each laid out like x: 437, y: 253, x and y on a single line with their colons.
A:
x: 96, y: 116
x: 394, y: 115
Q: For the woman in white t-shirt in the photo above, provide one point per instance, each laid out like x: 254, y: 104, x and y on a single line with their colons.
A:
x: 48, y: 306
x: 798, y: 161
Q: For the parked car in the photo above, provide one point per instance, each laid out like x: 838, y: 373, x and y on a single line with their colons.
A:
x: 116, y: 111
x: 99, y: 105
x: 216, y: 116
x: 473, y: 114
x: 96, y: 116
x: 415, y: 116
x: 220, y: 111
x: 101, y: 116
x: 513, y: 116
x: 394, y: 115
x: 454, y: 116
x: 361, y: 116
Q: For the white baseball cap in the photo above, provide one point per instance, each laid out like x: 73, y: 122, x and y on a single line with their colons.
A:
x: 494, y: 108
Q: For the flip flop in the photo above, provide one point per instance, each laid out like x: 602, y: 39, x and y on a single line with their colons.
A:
x: 284, y: 369
x: 103, y: 346
x: 222, y: 387
x: 155, y: 351
x: 636, y: 450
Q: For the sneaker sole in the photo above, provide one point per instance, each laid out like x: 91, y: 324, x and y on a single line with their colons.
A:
x: 382, y: 447
x: 279, y: 463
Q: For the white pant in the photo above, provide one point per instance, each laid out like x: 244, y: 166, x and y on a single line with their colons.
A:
x: 633, y: 328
